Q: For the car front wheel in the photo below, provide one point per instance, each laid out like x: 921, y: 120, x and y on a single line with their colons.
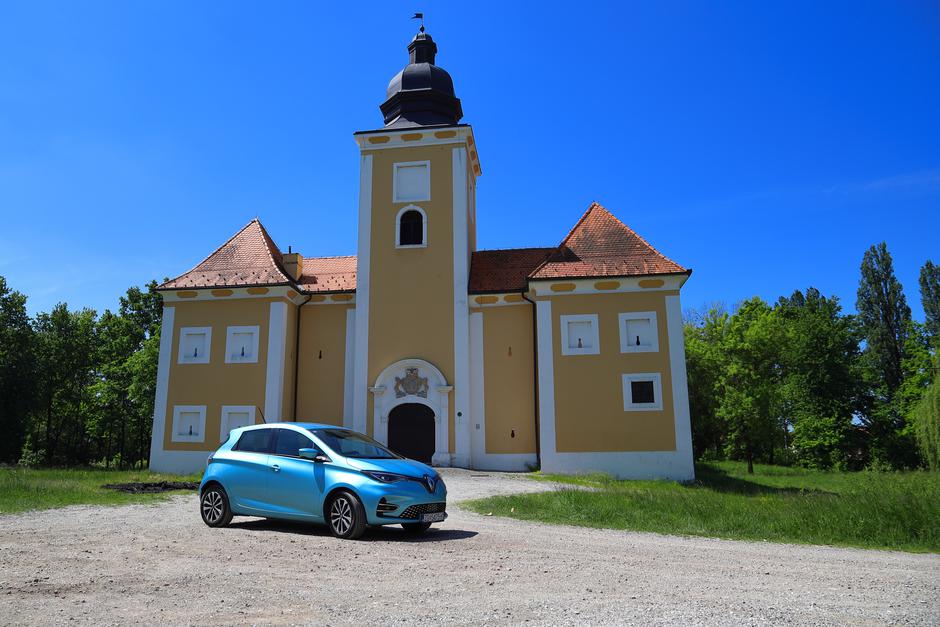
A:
x: 214, y: 507
x: 347, y: 516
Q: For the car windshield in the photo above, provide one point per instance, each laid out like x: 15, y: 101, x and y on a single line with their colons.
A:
x: 352, y: 444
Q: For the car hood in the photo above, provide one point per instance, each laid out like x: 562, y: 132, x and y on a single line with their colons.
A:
x: 407, y: 467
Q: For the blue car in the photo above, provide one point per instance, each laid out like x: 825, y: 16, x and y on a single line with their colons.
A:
x: 319, y: 473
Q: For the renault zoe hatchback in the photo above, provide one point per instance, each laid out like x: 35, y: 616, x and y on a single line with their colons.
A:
x: 322, y: 474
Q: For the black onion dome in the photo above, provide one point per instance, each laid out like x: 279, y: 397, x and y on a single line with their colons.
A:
x: 422, y: 94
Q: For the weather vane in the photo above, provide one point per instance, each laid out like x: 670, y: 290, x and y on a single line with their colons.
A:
x: 419, y: 16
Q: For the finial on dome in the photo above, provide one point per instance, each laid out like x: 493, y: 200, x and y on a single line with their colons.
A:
x: 419, y: 16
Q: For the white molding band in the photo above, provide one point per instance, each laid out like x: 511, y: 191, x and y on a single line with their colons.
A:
x: 238, y: 293
x: 348, y: 368
x: 274, y: 378
x: 546, y: 361
x: 462, y: 419
x: 361, y: 363
x: 671, y: 282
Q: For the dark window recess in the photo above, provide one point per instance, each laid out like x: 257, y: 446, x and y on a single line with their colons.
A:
x: 411, y: 229
x: 254, y: 441
x: 290, y: 442
x: 642, y: 391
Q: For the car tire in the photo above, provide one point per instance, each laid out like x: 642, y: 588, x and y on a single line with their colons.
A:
x: 346, y: 516
x: 416, y: 528
x: 214, y: 507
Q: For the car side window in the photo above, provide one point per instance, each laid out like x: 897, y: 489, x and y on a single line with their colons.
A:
x: 254, y: 441
x: 290, y: 442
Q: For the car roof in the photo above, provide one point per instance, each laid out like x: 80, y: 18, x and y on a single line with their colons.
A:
x: 302, y: 425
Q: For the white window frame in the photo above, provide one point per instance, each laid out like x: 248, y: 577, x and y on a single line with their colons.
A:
x: 424, y: 227
x: 230, y: 332
x: 656, y: 378
x: 591, y: 350
x: 625, y: 345
x: 178, y: 410
x: 405, y: 164
x: 231, y: 409
x: 181, y: 357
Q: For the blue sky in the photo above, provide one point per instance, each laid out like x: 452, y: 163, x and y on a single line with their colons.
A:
x: 765, y: 146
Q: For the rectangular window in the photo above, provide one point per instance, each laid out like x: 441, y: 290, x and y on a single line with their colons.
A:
x: 642, y: 392
x: 639, y: 332
x: 234, y: 417
x: 195, y: 343
x: 189, y: 423
x: 411, y: 181
x: 241, y: 345
x: 579, y: 335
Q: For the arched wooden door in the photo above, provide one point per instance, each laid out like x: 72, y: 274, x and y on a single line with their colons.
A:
x: 411, y: 431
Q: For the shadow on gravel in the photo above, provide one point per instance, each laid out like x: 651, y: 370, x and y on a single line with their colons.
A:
x: 380, y: 534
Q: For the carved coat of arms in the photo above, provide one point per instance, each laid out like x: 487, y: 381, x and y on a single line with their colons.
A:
x: 411, y: 384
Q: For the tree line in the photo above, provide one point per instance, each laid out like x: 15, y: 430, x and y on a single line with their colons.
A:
x: 795, y: 382
x: 76, y: 387
x: 801, y: 382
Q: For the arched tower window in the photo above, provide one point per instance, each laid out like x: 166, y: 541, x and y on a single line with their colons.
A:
x: 411, y: 227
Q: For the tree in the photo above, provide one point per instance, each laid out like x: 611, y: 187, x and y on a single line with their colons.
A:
x: 930, y: 299
x: 704, y: 335
x: 17, y: 372
x: 819, y: 391
x: 927, y: 420
x: 749, y: 384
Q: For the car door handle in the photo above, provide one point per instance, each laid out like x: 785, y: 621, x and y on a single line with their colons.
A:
x: 276, y: 468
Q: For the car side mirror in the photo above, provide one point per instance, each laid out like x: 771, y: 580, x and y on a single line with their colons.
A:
x: 313, y: 454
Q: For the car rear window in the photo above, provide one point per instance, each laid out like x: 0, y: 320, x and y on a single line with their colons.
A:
x: 254, y: 441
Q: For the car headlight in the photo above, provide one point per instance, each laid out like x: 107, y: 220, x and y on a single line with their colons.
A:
x: 384, y: 477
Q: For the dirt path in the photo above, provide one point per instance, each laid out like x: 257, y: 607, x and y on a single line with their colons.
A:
x: 159, y: 564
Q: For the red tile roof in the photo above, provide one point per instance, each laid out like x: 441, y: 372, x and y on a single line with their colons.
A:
x: 328, y: 274
x: 601, y: 245
x: 250, y: 257
x: 504, y: 270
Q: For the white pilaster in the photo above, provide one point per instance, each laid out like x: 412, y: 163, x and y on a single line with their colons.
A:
x: 477, y: 399
x: 680, y: 387
x: 349, y: 368
x: 163, y: 388
x: 361, y: 363
x: 546, y: 361
x: 277, y: 346
x: 462, y: 418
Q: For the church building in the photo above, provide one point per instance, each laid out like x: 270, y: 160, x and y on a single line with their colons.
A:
x: 569, y: 358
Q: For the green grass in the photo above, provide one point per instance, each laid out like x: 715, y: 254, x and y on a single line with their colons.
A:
x: 882, y: 510
x: 24, y: 489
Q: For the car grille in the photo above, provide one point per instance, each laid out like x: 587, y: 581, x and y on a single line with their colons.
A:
x: 415, y: 511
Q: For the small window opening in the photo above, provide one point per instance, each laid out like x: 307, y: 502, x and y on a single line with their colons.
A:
x: 411, y: 229
x: 642, y: 392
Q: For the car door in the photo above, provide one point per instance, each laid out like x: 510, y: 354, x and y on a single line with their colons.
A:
x: 247, y: 472
x: 295, y: 484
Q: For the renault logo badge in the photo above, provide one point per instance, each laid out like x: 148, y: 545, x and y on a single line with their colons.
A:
x: 430, y: 482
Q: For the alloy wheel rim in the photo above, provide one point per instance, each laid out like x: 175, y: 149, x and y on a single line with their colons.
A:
x: 212, y: 506
x: 341, y: 516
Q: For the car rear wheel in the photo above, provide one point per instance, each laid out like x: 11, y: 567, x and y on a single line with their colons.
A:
x: 347, y: 516
x: 214, y: 507
x: 416, y: 527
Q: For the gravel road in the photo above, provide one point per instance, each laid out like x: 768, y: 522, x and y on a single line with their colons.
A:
x: 160, y: 564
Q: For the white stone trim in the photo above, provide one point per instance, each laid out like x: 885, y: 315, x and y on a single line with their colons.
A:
x: 158, y: 461
x: 349, y: 368
x: 255, y: 330
x: 655, y: 378
x: 626, y: 346
x: 671, y: 282
x: 329, y: 300
x: 224, y: 428
x: 546, y: 362
x: 199, y: 359
x: 463, y: 138
x: 424, y: 227
x: 500, y: 300
x: 680, y: 388
x: 410, y: 164
x: 385, y: 400
x: 274, y: 377
x: 178, y: 410
x: 595, y: 333
x: 361, y: 365
x: 462, y: 419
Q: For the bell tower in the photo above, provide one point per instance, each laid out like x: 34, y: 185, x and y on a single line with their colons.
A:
x: 417, y: 230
